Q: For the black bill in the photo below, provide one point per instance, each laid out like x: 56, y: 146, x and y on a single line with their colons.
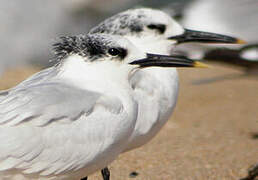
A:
x: 205, y: 37
x: 167, y: 61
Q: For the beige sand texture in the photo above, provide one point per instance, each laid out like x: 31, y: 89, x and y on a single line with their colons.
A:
x: 212, y: 135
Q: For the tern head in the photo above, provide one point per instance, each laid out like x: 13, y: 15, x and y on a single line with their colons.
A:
x: 155, y: 31
x: 110, y: 54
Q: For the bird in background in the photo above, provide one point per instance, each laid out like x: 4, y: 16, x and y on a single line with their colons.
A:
x: 74, y: 118
x: 155, y: 89
x: 234, y: 17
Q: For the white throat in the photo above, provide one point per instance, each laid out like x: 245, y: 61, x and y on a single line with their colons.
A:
x: 101, y: 76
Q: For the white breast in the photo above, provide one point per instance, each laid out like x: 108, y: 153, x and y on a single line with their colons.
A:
x: 155, y: 90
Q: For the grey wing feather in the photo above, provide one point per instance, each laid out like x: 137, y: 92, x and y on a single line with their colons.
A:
x: 3, y: 94
x: 43, y: 103
x: 32, y: 142
x: 43, y: 76
x: 42, y: 99
x: 37, y: 78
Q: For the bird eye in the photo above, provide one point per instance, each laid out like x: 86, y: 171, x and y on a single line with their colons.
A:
x: 161, y: 28
x: 113, y: 52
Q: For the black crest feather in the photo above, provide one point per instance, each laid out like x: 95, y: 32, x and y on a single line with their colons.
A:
x: 83, y: 45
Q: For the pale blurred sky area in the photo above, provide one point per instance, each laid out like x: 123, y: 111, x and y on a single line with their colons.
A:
x: 28, y: 28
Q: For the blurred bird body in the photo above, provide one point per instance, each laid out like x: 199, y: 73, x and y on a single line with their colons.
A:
x: 234, y: 17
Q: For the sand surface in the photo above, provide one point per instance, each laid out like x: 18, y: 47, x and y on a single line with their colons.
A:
x: 212, y: 135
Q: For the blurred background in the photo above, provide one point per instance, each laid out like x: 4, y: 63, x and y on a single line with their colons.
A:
x: 30, y: 27
x: 213, y: 133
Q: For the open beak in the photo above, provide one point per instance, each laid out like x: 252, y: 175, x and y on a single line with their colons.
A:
x: 205, y: 37
x: 167, y: 61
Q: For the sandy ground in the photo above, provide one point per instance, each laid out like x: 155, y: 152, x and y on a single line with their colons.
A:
x: 212, y: 135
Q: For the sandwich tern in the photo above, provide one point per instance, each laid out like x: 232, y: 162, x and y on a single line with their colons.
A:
x: 155, y: 89
x: 76, y: 117
x: 233, y: 17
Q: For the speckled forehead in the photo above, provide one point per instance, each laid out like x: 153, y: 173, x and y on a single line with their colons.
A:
x: 156, y: 16
x: 90, y: 46
x: 147, y: 16
x: 100, y: 40
x: 122, y: 23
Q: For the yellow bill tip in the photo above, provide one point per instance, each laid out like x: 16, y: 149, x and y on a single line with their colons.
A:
x: 240, y: 41
x: 199, y: 64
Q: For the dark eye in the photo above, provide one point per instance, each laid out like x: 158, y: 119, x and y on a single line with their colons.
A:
x: 161, y: 28
x: 114, y: 52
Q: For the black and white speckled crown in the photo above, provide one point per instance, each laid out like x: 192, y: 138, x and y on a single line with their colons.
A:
x: 90, y: 46
x: 130, y: 21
